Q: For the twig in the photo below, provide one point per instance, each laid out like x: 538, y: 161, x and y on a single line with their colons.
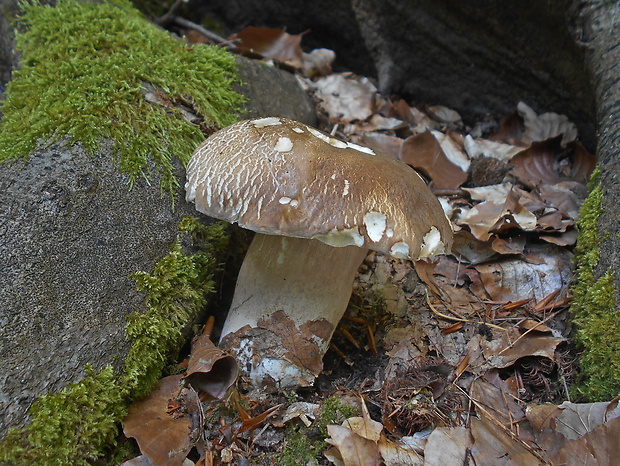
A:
x: 509, y: 432
x: 444, y: 316
x: 204, y: 31
x: 551, y: 316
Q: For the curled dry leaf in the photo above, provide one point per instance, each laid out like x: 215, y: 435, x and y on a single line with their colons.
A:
x: 346, y: 97
x: 516, y: 279
x: 493, y: 149
x: 390, y: 145
x: 491, y: 217
x: 210, y: 370
x: 271, y: 43
x: 167, y: 423
x: 318, y: 62
x: 494, y: 445
x: 572, y: 420
x: 444, y: 114
x: 548, y: 162
x: 424, y: 152
x: 514, y: 345
x: 447, y: 445
x: 545, y: 126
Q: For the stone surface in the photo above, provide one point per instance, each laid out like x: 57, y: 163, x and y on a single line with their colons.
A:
x: 71, y: 233
x: 476, y: 57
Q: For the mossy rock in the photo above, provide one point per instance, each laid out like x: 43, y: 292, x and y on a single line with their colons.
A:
x: 77, y: 223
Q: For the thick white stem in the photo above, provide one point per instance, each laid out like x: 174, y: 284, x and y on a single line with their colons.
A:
x: 290, y: 295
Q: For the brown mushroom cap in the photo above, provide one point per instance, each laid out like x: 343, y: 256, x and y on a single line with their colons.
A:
x: 280, y: 177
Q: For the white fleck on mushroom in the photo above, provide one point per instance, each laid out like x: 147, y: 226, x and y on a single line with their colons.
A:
x: 312, y: 234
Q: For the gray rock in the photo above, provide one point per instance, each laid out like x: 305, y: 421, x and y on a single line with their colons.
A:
x: 71, y: 233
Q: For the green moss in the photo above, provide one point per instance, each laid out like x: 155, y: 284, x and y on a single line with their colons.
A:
x: 595, y: 315
x: 302, y: 444
x: 75, y: 425
x: 83, y: 70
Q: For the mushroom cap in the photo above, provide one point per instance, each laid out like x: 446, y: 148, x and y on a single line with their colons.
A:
x: 281, y: 177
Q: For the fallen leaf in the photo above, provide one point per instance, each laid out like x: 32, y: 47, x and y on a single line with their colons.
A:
x: 447, y: 446
x: 318, y: 62
x: 493, y: 149
x: 353, y: 449
x: 510, y: 130
x: 167, y: 423
x: 549, y: 162
x: 515, y: 279
x: 389, y: 145
x: 271, y: 43
x: 545, y: 126
x: 444, y: 114
x: 600, y: 447
x: 493, y: 445
x: 346, y: 97
x: 210, y: 370
x: 424, y: 152
x: 514, y: 345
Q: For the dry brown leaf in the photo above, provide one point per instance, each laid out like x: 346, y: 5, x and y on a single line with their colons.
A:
x: 514, y: 345
x: 516, y: 279
x: 424, y: 152
x: 271, y: 43
x: 599, y: 447
x: 398, y: 453
x: 390, y: 145
x: 493, y: 446
x: 510, y: 130
x: 548, y: 162
x: 447, y: 446
x: 210, y: 370
x: 352, y: 449
x: 346, y: 97
x: 318, y: 62
x: 486, y: 148
x: 167, y: 423
x: 573, y: 420
x: 490, y: 217
x: 545, y: 126
x: 444, y: 114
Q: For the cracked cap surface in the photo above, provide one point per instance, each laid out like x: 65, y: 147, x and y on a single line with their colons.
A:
x: 280, y: 177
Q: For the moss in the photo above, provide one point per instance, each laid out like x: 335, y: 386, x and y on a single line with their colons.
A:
x: 75, y: 425
x: 302, y: 444
x: 595, y: 315
x: 83, y: 73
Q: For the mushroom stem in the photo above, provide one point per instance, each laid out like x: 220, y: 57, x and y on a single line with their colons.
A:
x: 290, y: 295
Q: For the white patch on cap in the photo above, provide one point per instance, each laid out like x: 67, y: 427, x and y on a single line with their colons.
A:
x: 332, y: 141
x: 342, y: 238
x: 191, y: 192
x: 294, y: 203
x: 284, y: 145
x: 298, y: 130
x: 269, y: 121
x: 345, y: 191
x: 432, y: 244
x: 366, y: 150
x: 375, y: 225
x: 389, y: 232
x: 285, y: 200
x: 333, y: 177
x: 400, y: 250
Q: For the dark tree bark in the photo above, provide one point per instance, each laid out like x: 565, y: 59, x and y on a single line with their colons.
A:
x: 599, y: 23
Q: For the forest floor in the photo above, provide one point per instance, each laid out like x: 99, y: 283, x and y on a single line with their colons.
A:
x: 466, y: 359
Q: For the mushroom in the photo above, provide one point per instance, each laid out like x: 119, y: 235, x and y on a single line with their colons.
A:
x: 317, y: 205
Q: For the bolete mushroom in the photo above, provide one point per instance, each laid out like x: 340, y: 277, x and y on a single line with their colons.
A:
x: 317, y: 204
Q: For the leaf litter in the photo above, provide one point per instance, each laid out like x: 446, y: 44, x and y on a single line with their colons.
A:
x: 454, y: 361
